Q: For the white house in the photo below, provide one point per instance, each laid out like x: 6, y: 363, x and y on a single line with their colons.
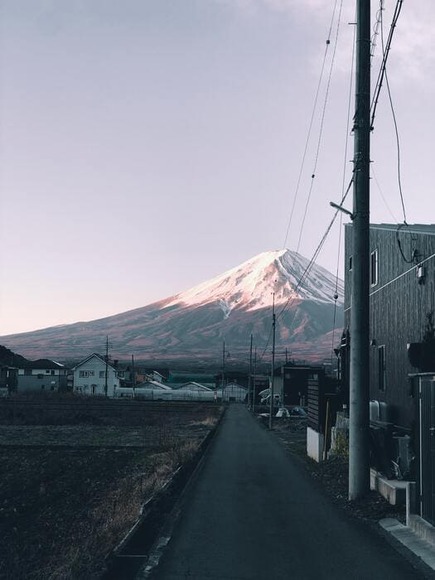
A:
x: 95, y: 376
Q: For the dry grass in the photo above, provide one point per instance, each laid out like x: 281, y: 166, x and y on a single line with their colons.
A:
x: 62, y: 511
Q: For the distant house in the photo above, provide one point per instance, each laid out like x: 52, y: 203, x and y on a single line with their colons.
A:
x: 8, y: 380
x: 96, y: 376
x: 41, y: 375
x: 291, y: 383
x: 155, y: 376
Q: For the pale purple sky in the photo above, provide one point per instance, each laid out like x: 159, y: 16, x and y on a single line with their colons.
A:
x: 149, y: 145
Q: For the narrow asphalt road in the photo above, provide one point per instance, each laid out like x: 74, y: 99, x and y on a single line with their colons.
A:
x: 253, y: 513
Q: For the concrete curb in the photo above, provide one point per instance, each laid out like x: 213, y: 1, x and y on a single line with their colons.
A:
x: 421, y: 548
x: 132, y: 552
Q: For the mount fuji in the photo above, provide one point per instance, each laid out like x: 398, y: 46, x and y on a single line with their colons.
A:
x: 192, y: 325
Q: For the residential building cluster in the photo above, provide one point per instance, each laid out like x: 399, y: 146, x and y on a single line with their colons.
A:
x: 98, y: 375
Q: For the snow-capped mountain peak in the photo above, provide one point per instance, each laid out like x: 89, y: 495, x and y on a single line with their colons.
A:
x: 257, y: 282
x: 192, y: 324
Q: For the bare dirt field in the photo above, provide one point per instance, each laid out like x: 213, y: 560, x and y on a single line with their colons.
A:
x: 75, y: 473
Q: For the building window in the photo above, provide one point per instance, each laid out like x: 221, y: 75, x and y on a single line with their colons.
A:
x: 102, y: 374
x: 374, y: 268
x: 381, y: 368
x: 350, y: 263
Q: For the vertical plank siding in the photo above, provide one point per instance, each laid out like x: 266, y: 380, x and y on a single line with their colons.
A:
x: 399, y: 305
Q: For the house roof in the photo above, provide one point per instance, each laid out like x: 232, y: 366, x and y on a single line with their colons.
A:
x: 42, y: 363
x: 234, y: 385
x: 153, y: 385
x: 408, y: 228
x: 93, y: 355
x: 193, y: 384
x: 183, y: 377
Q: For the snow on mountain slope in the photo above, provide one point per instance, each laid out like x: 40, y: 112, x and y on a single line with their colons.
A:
x: 191, y: 325
x: 251, y: 285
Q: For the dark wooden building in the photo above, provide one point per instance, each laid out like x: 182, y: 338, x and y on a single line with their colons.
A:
x: 402, y: 301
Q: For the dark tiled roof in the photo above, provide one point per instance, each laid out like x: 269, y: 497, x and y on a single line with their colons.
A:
x: 44, y: 363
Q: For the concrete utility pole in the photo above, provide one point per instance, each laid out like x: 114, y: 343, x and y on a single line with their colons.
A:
x: 359, y: 462
x: 250, y: 375
x: 107, y: 366
x: 272, y: 373
x: 255, y: 376
x: 133, y: 376
x: 223, y: 369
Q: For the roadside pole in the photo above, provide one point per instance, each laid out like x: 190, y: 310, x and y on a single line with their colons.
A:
x: 255, y: 374
x: 359, y: 463
x: 250, y: 376
x: 272, y: 373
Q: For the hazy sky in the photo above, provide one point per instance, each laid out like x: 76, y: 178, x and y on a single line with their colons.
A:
x: 149, y: 145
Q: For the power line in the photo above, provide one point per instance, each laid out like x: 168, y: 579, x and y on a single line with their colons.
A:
x: 314, y: 109
x: 383, y: 67
x: 386, y: 47
x: 346, y: 146
x: 322, y: 123
x: 306, y: 271
x: 375, y: 179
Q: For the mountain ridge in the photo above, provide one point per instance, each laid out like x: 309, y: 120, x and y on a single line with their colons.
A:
x: 231, y: 306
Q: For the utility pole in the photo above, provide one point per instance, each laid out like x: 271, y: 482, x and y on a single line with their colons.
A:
x: 255, y: 373
x: 359, y: 462
x: 133, y: 376
x: 107, y: 365
x: 223, y: 369
x: 250, y: 375
x: 272, y: 378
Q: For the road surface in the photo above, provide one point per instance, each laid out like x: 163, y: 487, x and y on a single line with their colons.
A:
x: 253, y: 513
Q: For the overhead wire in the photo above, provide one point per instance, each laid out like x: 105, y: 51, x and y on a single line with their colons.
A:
x: 313, y: 113
x: 385, y: 53
x: 375, y: 179
x: 346, y: 147
x: 316, y: 252
x: 319, y: 141
x: 383, y: 75
x: 308, y: 268
x: 322, y: 123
